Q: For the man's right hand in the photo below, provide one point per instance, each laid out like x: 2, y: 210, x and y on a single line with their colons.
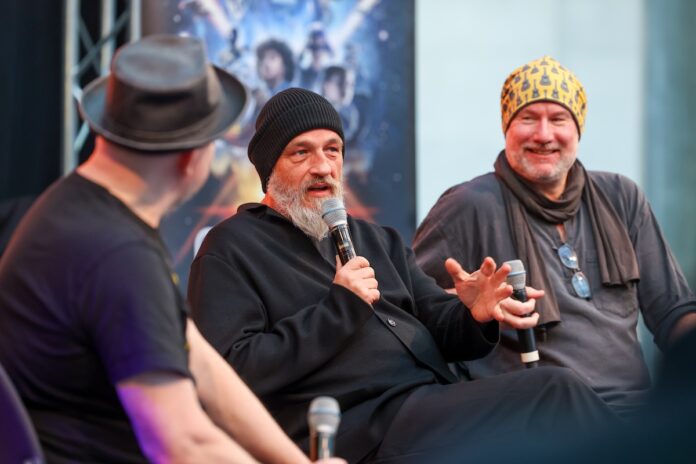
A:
x: 358, y: 277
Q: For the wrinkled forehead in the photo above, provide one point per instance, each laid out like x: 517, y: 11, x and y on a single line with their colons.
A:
x: 547, y: 107
x: 315, y: 138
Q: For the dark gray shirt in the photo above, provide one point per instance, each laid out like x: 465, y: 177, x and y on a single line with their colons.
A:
x: 597, y: 338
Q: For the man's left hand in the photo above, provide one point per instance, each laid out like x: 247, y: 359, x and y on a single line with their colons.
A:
x: 486, y: 294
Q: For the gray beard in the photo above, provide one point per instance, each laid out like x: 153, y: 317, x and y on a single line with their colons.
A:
x: 307, y: 219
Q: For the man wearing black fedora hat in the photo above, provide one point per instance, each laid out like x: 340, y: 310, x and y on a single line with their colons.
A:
x: 94, y: 332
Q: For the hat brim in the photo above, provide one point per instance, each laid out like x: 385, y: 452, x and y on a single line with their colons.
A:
x: 235, y: 99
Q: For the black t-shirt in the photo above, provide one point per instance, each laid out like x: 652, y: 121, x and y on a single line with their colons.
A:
x: 86, y: 300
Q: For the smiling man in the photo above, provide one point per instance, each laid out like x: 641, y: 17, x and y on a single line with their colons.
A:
x: 271, y: 297
x: 588, y: 239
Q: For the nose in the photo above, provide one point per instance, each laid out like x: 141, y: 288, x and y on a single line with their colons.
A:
x: 320, y: 164
x: 543, y: 133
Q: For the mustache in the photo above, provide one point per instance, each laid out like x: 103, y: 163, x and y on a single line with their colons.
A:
x: 540, y: 147
x: 328, y: 180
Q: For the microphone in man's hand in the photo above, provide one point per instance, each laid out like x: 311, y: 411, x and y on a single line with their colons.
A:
x: 334, y: 215
x: 528, y: 348
x: 323, y: 416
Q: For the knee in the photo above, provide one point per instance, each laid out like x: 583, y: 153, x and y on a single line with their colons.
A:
x: 559, y: 376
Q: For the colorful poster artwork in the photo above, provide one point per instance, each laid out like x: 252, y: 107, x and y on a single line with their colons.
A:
x: 359, y: 54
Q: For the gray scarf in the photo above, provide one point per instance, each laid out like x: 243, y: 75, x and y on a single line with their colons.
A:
x: 617, y: 259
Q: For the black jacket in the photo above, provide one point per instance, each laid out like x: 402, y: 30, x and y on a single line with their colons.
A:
x: 262, y: 293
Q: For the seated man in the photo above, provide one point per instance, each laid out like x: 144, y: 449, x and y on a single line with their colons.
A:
x: 95, y: 335
x: 588, y: 239
x: 269, y: 294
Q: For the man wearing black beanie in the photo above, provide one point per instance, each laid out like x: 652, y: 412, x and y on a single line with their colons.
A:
x: 375, y: 333
x: 292, y: 112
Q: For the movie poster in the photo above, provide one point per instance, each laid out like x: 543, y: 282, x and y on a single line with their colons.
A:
x: 359, y: 54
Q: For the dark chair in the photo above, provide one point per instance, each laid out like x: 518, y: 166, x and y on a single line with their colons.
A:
x: 18, y: 441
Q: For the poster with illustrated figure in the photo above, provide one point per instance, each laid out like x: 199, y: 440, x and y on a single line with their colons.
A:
x: 359, y: 54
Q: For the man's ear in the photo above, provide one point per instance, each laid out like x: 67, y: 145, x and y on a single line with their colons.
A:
x: 185, y: 163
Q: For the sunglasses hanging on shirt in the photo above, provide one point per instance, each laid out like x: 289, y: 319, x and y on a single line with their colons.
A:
x: 579, y: 281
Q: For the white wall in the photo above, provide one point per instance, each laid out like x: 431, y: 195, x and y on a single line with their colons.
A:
x: 466, y: 48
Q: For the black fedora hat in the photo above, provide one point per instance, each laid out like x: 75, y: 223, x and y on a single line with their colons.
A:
x: 162, y: 95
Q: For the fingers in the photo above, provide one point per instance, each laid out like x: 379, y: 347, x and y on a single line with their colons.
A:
x: 521, y: 322
x: 516, y: 314
x: 488, y: 267
x: 500, y: 275
x: 372, y: 296
x: 502, y: 291
x: 356, y: 263
x: 534, y: 293
x: 367, y: 289
x: 359, y: 277
x: 514, y: 321
x: 498, y: 313
x: 359, y: 266
x: 371, y: 284
x: 517, y: 308
x: 455, y: 270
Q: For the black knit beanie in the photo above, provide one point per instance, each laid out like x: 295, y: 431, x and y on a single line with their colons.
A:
x: 285, y: 116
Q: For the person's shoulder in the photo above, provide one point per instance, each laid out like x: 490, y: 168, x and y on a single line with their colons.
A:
x: 479, y: 196
x: 617, y: 186
x: 80, y: 226
x: 623, y: 193
x: 479, y: 186
x: 472, y: 193
x: 612, y: 179
x: 75, y: 210
x: 364, y: 231
x: 248, y: 217
x: 367, y: 228
x: 363, y: 225
x: 246, y: 229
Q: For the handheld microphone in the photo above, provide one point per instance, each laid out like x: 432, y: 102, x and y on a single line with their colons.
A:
x: 334, y: 215
x: 527, y: 341
x: 323, y: 417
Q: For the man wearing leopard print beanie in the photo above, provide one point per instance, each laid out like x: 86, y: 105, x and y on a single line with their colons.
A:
x: 588, y: 239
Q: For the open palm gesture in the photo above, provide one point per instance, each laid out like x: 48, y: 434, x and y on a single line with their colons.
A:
x: 486, y: 294
x: 482, y: 290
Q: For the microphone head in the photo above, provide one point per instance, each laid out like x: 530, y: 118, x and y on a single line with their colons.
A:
x: 333, y: 212
x: 517, y: 276
x: 324, y: 414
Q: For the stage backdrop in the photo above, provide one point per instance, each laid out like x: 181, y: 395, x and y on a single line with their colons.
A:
x: 358, y: 54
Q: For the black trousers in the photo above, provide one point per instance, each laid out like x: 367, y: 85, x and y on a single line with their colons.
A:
x: 467, y: 420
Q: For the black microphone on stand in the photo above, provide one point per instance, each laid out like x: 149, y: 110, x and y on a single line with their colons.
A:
x: 334, y: 215
x: 324, y: 416
x: 527, y: 341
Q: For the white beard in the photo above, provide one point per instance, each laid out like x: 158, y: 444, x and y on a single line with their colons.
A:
x: 306, y: 218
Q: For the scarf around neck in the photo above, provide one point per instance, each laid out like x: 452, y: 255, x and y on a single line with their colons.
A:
x: 616, y: 257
